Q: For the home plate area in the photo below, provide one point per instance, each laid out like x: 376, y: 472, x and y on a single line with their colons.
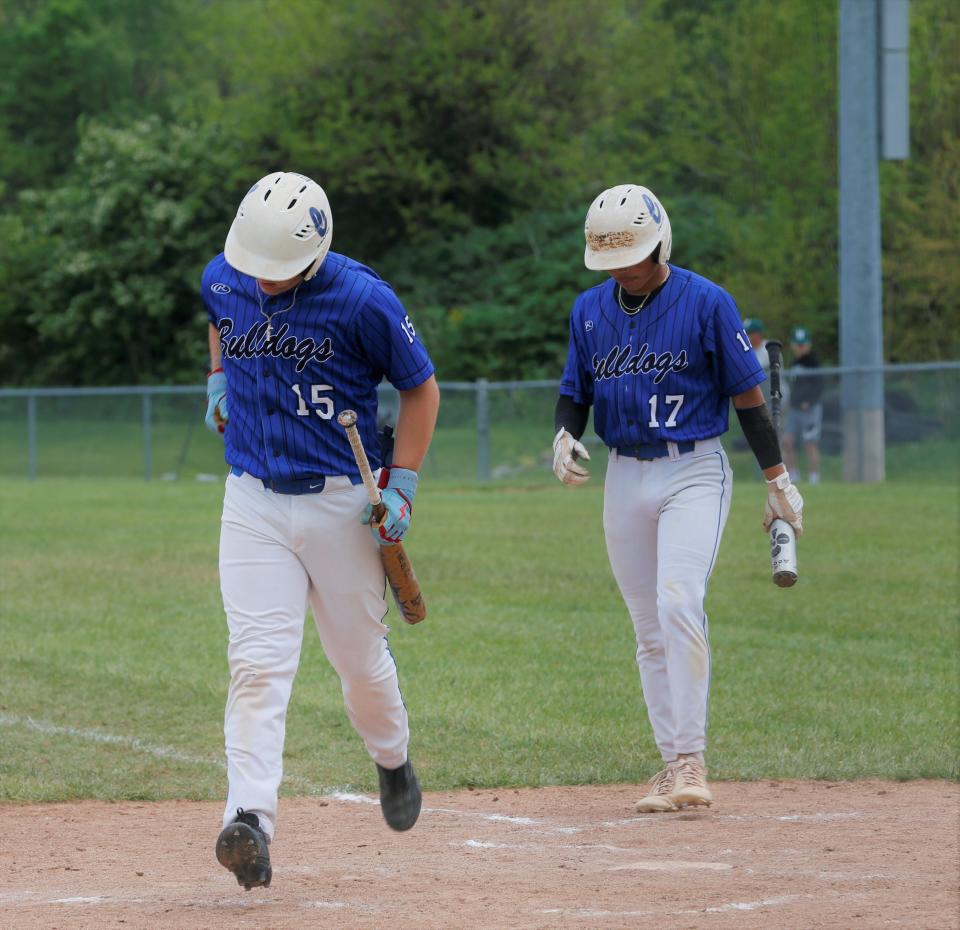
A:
x: 766, y: 855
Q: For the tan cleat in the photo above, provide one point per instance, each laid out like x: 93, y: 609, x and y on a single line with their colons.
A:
x: 690, y: 785
x: 659, y: 790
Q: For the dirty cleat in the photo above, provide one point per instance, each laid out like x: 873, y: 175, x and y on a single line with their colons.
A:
x: 690, y: 785
x: 659, y: 791
x: 242, y: 848
x: 400, y: 796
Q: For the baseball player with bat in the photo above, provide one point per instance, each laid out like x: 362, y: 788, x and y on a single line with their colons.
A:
x: 298, y: 333
x: 658, y: 352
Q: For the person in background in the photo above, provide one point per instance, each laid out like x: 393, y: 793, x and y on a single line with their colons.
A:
x: 805, y: 414
x: 755, y: 333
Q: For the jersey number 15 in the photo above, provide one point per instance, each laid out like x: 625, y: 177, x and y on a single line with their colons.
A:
x: 322, y: 403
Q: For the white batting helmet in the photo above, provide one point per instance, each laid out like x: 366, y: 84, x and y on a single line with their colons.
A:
x: 625, y: 224
x: 284, y: 225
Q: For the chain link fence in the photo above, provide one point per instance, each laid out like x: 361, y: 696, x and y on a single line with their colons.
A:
x: 487, y: 432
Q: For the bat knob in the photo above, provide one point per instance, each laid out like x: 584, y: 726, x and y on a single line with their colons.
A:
x: 347, y: 418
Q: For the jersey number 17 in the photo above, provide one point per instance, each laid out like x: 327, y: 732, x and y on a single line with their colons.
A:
x: 676, y: 400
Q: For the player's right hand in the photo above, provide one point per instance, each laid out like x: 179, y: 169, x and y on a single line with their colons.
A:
x: 397, y: 494
x: 216, y: 418
x: 783, y: 502
x: 566, y: 452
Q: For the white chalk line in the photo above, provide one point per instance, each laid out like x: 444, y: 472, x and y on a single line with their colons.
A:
x: 98, y: 736
x: 660, y: 912
x: 796, y: 818
x: 647, y: 865
x: 749, y: 905
x: 35, y: 899
x: 749, y: 818
x: 135, y: 743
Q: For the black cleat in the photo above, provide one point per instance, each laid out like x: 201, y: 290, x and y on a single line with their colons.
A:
x: 400, y: 796
x: 242, y: 848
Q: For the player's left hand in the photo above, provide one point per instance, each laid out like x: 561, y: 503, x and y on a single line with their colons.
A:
x: 783, y: 502
x: 216, y: 418
x: 399, y: 487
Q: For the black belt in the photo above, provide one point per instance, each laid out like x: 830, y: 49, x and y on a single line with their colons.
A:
x: 297, y: 486
x: 647, y: 451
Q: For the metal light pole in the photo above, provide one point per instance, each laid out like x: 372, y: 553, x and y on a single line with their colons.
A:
x: 872, y: 121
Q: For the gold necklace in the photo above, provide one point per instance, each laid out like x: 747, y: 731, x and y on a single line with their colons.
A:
x: 630, y: 311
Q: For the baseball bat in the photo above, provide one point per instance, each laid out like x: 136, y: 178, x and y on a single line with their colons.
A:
x: 783, y: 539
x: 396, y: 562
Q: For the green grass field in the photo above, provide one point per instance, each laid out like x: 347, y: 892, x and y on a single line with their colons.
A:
x: 113, y: 670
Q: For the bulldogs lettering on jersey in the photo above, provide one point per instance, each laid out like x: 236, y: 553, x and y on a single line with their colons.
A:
x: 664, y: 373
x: 295, y: 360
x: 259, y: 340
x: 619, y: 362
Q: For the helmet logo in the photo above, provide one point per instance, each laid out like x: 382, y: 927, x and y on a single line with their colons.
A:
x: 319, y: 221
x: 220, y: 288
x: 654, y: 208
x: 588, y: 326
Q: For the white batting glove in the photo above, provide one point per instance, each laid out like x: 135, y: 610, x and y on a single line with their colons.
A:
x: 783, y: 502
x: 566, y: 451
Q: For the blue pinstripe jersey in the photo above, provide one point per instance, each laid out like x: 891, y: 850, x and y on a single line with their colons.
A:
x: 664, y: 373
x: 296, y: 360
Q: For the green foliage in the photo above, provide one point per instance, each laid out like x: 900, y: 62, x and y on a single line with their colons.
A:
x: 460, y: 145
x: 494, y: 303
x: 759, y: 99
x: 921, y: 197
x: 63, y: 59
x: 124, y: 238
x: 423, y: 116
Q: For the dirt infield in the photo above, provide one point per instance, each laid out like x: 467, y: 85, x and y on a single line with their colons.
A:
x: 767, y: 855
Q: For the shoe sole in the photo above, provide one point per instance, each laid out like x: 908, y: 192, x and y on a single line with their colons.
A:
x: 657, y: 806
x: 691, y: 800
x: 238, y: 852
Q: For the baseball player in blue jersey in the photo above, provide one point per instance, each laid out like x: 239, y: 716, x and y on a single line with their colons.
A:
x: 298, y: 333
x: 658, y: 352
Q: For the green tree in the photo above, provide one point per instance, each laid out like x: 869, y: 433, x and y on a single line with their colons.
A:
x: 921, y: 198
x: 494, y: 303
x: 426, y: 115
x: 65, y: 59
x: 110, y: 258
x: 748, y: 140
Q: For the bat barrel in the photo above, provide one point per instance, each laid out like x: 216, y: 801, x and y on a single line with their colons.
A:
x: 399, y: 571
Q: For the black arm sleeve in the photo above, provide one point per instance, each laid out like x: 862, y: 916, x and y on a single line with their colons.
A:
x: 760, y: 434
x: 571, y: 416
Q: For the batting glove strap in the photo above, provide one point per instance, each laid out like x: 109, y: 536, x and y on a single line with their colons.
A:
x: 404, y: 480
x: 566, y: 452
x: 216, y: 417
x: 783, y: 502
